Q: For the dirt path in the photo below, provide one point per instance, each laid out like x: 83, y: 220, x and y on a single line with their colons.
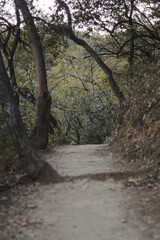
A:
x: 77, y: 210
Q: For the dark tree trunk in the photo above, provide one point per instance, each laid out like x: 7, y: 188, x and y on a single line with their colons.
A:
x: 43, y: 99
x: 118, y: 93
x: 34, y: 166
x: 132, y: 44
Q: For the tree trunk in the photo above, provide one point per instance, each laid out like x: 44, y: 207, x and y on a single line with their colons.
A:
x: 43, y: 98
x: 34, y: 166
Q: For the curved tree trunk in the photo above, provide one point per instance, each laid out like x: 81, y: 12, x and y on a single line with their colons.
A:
x: 43, y: 98
x: 118, y: 93
x: 102, y: 65
x: 34, y: 166
x: 132, y: 43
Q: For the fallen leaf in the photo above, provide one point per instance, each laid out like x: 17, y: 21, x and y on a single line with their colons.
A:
x: 110, y: 180
x: 4, y: 198
x: 124, y: 221
x: 21, y: 224
x: 147, y: 200
x: 32, y: 206
x: 32, y: 221
x: 131, y: 180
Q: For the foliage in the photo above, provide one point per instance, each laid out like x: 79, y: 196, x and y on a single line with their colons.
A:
x: 82, y: 99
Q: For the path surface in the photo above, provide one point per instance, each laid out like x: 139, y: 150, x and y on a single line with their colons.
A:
x: 78, y: 210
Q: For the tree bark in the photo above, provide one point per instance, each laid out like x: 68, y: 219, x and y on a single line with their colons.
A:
x: 35, y: 167
x: 43, y: 98
x: 118, y: 93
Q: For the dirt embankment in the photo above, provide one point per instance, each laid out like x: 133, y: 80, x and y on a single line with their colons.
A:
x: 138, y: 138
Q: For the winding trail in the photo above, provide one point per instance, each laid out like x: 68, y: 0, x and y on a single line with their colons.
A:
x: 81, y: 209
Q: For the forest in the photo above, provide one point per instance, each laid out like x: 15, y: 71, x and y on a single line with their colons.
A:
x: 85, y: 72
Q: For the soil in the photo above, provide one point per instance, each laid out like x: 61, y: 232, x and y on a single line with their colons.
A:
x: 82, y: 208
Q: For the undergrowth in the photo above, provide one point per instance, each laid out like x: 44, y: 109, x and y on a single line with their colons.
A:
x: 138, y: 137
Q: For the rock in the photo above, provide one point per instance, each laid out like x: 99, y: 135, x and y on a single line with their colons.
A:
x: 32, y: 206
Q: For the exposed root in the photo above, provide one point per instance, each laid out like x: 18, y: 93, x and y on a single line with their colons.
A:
x: 116, y: 175
x: 49, y: 175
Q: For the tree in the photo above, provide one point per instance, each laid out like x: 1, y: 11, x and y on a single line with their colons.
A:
x: 43, y: 99
x: 35, y: 167
x: 133, y: 30
x: 81, y: 42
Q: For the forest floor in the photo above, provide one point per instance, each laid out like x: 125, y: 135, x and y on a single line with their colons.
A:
x: 82, y: 209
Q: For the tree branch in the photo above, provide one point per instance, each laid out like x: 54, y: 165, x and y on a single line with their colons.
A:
x: 99, y: 61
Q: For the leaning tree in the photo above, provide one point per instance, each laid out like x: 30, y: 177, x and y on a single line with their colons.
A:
x: 68, y: 30
x: 35, y: 167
